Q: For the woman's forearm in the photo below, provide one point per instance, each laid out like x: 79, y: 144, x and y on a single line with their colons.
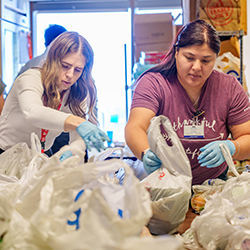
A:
x: 242, y: 145
x: 136, y: 140
x: 72, y: 122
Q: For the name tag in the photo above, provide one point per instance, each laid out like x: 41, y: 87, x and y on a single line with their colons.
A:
x: 194, y: 131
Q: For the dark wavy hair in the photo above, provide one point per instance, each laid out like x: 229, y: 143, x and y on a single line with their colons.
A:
x: 197, y: 32
x: 65, y: 43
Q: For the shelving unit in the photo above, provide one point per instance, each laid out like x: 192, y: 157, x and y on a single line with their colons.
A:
x: 239, y: 34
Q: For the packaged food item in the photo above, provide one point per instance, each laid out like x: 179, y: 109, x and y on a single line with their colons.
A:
x: 198, y: 202
x: 202, y: 193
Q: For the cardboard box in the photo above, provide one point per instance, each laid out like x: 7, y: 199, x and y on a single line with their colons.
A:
x: 153, y: 32
x: 153, y: 54
x: 224, y: 15
x: 153, y: 28
x: 151, y: 57
x: 151, y: 47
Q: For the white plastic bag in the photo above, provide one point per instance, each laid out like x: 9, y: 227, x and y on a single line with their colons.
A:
x: 16, y: 164
x: 169, y: 186
x: 230, y: 64
x: 167, y: 242
x: 225, y: 221
x: 69, y: 205
x: 109, y: 152
x: 116, y: 152
x: 15, y: 159
x: 240, y: 240
x: 203, y: 192
x: 135, y: 164
x: 119, y: 152
x: 211, y: 229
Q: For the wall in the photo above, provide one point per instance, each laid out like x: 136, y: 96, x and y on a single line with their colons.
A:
x: 246, y: 49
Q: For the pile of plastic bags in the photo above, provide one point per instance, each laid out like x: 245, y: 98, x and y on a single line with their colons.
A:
x: 225, y: 221
x: 49, y: 204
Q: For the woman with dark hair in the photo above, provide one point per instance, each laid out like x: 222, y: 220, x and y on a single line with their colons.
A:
x: 57, y: 97
x: 203, y: 105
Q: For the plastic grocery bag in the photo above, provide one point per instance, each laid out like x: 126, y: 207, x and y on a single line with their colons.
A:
x: 239, y: 240
x: 71, y: 205
x: 230, y: 64
x: 109, y: 152
x: 167, y: 242
x: 16, y: 164
x: 116, y: 152
x: 203, y: 192
x: 15, y: 159
x: 170, y: 185
x: 121, y: 153
x: 225, y: 221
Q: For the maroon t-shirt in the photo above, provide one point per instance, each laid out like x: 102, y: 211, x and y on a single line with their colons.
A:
x: 223, y: 99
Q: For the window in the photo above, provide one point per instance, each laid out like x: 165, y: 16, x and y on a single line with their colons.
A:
x: 108, y: 33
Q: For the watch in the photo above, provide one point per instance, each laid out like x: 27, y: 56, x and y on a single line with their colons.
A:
x: 143, y: 153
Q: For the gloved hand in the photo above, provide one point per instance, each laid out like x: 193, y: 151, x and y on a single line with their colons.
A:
x: 212, y: 156
x: 151, y: 162
x: 66, y: 155
x: 91, y: 133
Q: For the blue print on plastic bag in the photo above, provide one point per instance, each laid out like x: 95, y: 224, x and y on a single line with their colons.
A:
x: 234, y: 73
x: 78, y: 213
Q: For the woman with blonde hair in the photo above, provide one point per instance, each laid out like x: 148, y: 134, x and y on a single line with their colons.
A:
x: 58, y: 97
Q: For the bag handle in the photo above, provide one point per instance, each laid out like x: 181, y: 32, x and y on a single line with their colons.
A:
x: 35, y: 144
x: 171, y: 153
x: 105, y: 154
x: 228, y: 158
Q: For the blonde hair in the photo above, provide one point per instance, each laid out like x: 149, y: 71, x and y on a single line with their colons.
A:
x: 65, y: 43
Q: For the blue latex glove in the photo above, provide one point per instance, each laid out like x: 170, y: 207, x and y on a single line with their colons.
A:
x: 151, y: 162
x: 66, y: 155
x: 91, y: 133
x: 212, y: 156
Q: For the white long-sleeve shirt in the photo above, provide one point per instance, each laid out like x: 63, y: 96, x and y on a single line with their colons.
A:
x: 24, y: 113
